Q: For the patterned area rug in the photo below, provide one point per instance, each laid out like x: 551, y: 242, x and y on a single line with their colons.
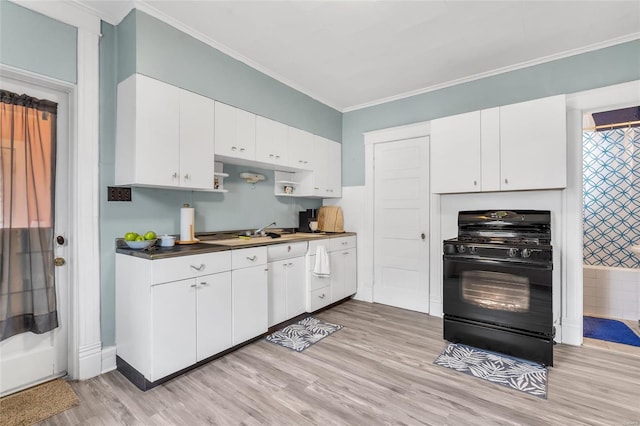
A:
x: 519, y: 374
x: 304, y: 333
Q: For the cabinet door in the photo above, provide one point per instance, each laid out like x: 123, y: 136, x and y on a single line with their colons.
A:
x: 277, y: 292
x: 173, y: 327
x: 249, y: 301
x: 296, y: 286
x: 147, y: 147
x: 213, y: 314
x: 320, y: 169
x: 300, y: 148
x: 271, y: 142
x: 235, y: 132
x: 533, y: 144
x: 196, y: 141
x: 343, y: 271
x: 455, y: 154
x: 334, y: 168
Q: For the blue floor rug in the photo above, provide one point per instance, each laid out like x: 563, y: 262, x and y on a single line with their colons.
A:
x: 526, y: 376
x: 609, y: 330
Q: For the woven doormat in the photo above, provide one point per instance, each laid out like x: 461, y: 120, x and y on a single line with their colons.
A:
x: 35, y: 404
x: 304, y: 333
x: 525, y: 376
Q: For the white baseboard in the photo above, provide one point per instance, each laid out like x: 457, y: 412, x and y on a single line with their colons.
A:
x: 364, y: 294
x: 89, y: 361
x: 108, y: 359
x: 435, y: 308
x: 571, y: 333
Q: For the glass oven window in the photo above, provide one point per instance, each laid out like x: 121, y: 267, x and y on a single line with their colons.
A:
x: 496, y: 290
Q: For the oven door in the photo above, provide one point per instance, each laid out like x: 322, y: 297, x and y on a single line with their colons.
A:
x: 509, y: 294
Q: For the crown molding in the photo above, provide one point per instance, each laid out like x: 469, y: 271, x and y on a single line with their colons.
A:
x: 521, y: 65
x: 65, y: 12
x: 118, y: 10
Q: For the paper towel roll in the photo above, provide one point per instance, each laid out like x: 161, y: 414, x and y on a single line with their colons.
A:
x: 186, y: 223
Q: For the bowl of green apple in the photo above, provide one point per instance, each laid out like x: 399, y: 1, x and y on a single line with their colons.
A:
x: 140, y: 241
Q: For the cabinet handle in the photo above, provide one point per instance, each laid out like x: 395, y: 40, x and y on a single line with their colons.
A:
x: 345, y: 252
x: 305, y: 162
x: 321, y: 296
x: 193, y: 285
x: 252, y: 258
x: 344, y: 243
x: 506, y: 181
x: 187, y: 177
x: 270, y: 155
x: 233, y: 148
x: 290, y: 264
x: 198, y: 268
x: 204, y: 283
x: 475, y: 183
x: 241, y: 149
x: 277, y: 156
x: 315, y: 187
x: 175, y: 175
x: 300, y: 161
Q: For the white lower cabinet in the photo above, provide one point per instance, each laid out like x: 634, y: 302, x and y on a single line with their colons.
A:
x: 287, y: 283
x: 249, y: 293
x: 172, y: 313
x: 342, y: 283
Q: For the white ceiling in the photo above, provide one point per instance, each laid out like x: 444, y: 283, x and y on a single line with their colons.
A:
x: 350, y: 54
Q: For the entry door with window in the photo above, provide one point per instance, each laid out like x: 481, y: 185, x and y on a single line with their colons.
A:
x: 33, y: 220
x: 401, y: 224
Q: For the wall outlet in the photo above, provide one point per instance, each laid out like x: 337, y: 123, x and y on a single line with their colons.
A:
x: 118, y: 193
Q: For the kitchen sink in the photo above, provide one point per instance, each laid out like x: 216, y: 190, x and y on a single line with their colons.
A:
x: 239, y: 242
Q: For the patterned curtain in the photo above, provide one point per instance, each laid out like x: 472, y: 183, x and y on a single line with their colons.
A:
x: 27, y: 181
x: 611, y: 170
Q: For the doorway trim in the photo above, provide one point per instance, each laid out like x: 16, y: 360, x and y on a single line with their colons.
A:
x: 85, y: 346
x: 391, y: 134
x: 595, y: 100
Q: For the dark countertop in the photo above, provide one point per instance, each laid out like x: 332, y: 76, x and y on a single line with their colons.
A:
x: 157, y: 252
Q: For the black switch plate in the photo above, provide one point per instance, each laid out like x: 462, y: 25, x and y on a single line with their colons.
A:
x: 118, y: 193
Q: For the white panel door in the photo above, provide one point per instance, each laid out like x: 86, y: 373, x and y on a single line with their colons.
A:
x: 27, y: 359
x: 401, y: 224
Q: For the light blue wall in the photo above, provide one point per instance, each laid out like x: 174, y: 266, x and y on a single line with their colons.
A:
x: 34, y: 42
x: 617, y: 64
x: 145, y: 45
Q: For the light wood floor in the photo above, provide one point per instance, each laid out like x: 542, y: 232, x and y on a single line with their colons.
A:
x: 377, y: 370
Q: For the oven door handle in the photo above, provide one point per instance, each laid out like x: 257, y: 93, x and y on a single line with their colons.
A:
x: 503, y: 263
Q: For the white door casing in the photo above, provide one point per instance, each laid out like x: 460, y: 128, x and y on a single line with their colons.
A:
x: 27, y: 359
x: 401, y: 225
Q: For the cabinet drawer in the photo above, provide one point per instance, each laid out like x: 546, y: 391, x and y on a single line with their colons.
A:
x: 286, y: 251
x: 245, y: 258
x: 319, y: 298
x: 180, y: 268
x: 313, y: 245
x: 342, y: 243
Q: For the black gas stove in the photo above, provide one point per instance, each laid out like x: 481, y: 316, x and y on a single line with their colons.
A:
x: 498, y: 283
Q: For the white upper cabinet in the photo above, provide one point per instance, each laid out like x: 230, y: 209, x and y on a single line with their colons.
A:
x: 271, y: 142
x: 326, y: 179
x: 235, y: 132
x: 455, y: 153
x: 533, y: 144
x: 334, y: 170
x: 513, y: 147
x: 196, y: 141
x: 147, y: 133
x: 300, y: 148
x: 164, y: 136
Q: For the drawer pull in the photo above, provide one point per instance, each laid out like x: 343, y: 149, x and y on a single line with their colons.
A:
x: 193, y: 285
x: 345, y: 252
x: 204, y: 283
x: 198, y: 268
x: 344, y: 243
x: 252, y: 258
x: 321, y: 296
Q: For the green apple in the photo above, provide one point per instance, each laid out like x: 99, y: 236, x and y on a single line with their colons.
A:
x: 150, y: 235
x: 130, y: 236
x: 139, y: 238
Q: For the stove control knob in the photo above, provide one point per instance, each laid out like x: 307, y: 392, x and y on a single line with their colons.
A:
x: 513, y: 252
x: 461, y: 249
x: 473, y: 250
x: 526, y: 252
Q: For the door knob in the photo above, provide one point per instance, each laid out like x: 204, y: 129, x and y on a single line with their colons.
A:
x: 59, y: 261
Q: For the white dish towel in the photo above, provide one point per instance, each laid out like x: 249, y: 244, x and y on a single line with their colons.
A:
x: 322, y: 267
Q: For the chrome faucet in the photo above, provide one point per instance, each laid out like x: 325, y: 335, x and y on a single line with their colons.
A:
x: 259, y: 230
